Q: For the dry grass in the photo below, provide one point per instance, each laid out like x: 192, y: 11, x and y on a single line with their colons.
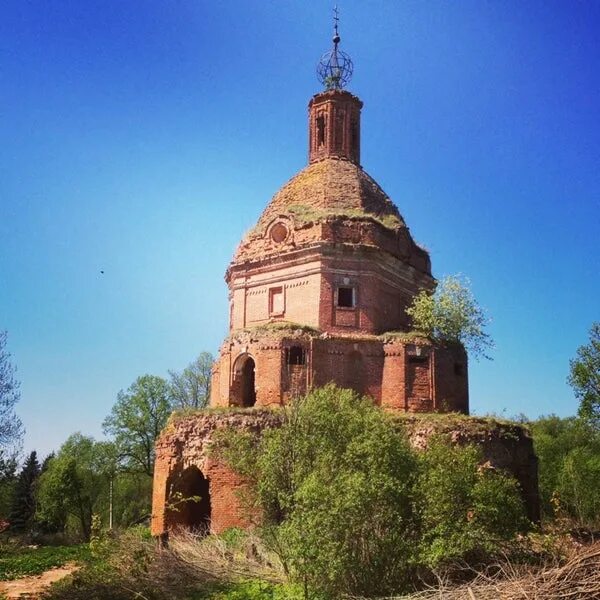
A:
x: 138, y: 568
x: 222, y: 560
x: 578, y: 578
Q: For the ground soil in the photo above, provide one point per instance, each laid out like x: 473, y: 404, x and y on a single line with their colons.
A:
x: 31, y: 587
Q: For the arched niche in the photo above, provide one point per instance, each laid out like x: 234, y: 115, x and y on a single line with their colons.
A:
x: 243, y: 387
x: 188, y: 502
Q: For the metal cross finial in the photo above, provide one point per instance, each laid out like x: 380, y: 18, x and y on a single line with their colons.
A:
x: 335, y: 67
x: 336, y: 18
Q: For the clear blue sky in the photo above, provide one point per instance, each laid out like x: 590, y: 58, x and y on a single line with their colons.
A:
x: 143, y: 138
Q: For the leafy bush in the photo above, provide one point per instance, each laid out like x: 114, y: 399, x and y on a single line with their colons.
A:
x: 250, y: 590
x: 451, y: 314
x: 351, y: 508
x: 466, y: 509
x: 568, y: 451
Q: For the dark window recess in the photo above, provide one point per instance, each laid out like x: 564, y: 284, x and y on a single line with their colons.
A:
x: 295, y: 355
x: 459, y: 369
x: 354, y: 135
x: 417, y: 359
x: 320, y: 131
x: 339, y: 130
x: 345, y: 297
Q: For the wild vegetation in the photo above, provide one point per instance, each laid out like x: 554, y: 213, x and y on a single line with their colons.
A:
x: 350, y: 510
x: 86, y: 477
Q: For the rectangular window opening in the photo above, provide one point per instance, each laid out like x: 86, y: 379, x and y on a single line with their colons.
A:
x: 295, y: 355
x: 276, y: 302
x: 345, y: 297
x: 418, y: 359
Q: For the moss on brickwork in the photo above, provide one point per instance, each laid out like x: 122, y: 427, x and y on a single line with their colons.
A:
x: 460, y: 425
x: 403, y: 336
x: 192, y: 413
x: 308, y: 214
x: 276, y: 329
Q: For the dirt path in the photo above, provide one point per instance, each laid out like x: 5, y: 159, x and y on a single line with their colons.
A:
x: 31, y: 587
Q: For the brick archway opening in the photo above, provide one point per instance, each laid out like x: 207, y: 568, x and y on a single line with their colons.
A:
x: 248, y: 382
x: 189, y: 505
x: 242, y: 391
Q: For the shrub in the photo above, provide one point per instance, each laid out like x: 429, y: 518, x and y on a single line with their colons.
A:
x: 335, y: 484
x: 351, y: 508
x: 466, y: 509
x: 569, y: 469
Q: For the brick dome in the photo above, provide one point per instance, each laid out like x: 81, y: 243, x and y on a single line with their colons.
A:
x: 328, y: 187
x: 327, y: 192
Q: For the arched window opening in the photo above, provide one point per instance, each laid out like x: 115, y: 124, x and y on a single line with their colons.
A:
x: 248, y: 383
x: 296, y: 355
x: 320, y: 131
x: 354, y: 136
x: 188, y: 504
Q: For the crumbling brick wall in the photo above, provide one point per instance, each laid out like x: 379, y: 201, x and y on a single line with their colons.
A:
x: 186, y: 441
x: 184, y: 444
x: 411, y: 375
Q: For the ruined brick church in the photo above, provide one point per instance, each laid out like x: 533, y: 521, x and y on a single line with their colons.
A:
x: 318, y: 292
x: 318, y: 289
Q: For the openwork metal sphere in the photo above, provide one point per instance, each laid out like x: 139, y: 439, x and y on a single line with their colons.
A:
x: 335, y: 69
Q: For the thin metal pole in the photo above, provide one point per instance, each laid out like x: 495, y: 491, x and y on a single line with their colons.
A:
x: 110, y: 504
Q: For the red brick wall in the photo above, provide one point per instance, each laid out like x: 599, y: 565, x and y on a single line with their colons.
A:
x: 187, y: 442
x: 385, y: 370
x: 334, y: 126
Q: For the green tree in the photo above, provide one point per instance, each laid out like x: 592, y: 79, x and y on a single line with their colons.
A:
x: 11, y: 429
x: 74, y: 483
x: 8, y: 468
x: 191, y: 387
x: 23, y: 501
x: 465, y: 509
x: 452, y: 315
x: 569, y: 468
x: 335, y: 483
x: 136, y: 420
x: 584, y: 377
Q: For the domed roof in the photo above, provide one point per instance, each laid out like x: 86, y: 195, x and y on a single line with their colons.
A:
x: 329, y: 187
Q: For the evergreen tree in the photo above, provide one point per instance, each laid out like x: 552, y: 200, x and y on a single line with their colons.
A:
x: 23, y: 502
x: 8, y: 468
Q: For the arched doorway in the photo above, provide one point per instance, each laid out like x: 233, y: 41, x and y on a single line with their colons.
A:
x: 188, y: 504
x: 243, y: 384
x: 248, y: 383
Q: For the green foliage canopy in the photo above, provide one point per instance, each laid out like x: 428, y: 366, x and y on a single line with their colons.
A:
x: 568, y: 450
x: 351, y: 508
x: 23, y: 498
x: 74, y: 482
x: 584, y: 377
x: 451, y: 314
x: 191, y: 387
x: 136, y: 420
x: 465, y: 509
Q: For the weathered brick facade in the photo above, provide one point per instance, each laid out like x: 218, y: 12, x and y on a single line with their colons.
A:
x: 332, y: 253
x: 318, y: 292
x: 185, y: 464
